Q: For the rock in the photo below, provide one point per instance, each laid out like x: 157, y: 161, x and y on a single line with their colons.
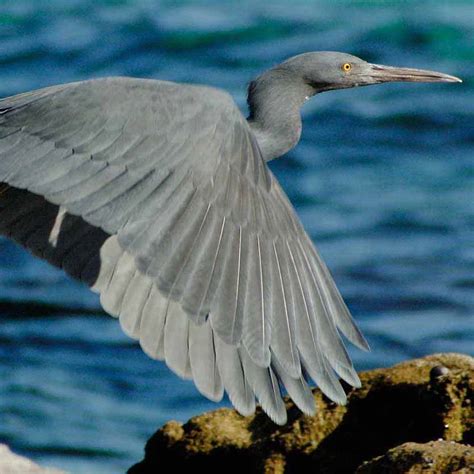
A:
x: 407, y: 402
x: 436, y: 456
x: 11, y: 463
x: 437, y: 372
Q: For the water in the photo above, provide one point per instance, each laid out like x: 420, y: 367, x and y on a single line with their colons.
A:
x: 382, y: 179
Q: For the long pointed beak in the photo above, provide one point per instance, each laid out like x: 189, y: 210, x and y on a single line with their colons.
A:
x: 381, y: 73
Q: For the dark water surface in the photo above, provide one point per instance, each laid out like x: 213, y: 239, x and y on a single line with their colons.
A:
x: 382, y: 179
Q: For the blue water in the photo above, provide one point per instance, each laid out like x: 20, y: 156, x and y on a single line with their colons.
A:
x: 382, y: 179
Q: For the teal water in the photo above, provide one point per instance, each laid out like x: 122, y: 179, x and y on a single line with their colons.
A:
x: 382, y: 179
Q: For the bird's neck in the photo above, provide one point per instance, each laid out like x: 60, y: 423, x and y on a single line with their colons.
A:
x: 274, y: 101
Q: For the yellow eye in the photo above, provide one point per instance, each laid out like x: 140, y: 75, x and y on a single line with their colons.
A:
x: 346, y: 67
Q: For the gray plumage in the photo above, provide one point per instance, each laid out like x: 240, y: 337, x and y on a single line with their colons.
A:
x: 157, y: 196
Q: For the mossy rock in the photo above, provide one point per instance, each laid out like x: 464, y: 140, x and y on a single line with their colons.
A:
x: 417, y: 401
x: 446, y: 457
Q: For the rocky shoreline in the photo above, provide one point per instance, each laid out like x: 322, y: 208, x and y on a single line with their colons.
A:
x: 414, y: 417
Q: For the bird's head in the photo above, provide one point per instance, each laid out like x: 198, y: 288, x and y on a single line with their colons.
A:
x: 276, y: 96
x: 329, y: 70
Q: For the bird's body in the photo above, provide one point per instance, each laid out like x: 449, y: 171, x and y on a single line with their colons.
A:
x: 157, y: 195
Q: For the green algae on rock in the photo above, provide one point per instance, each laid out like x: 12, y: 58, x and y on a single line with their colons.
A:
x: 418, y: 401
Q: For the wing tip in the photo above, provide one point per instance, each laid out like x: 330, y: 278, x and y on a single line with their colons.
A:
x: 182, y: 372
x: 279, y: 417
x: 242, y: 409
x: 364, y: 345
x: 151, y: 353
x: 358, y: 339
x: 261, y: 356
x: 308, y: 408
x: 334, y: 393
x: 215, y: 394
x: 348, y: 375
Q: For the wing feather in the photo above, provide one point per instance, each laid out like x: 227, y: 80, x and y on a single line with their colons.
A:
x: 339, y: 310
x: 176, y: 339
x: 265, y: 385
x: 202, y: 355
x: 283, y: 317
x: 233, y: 378
x: 134, y: 300
x: 297, y: 389
x: 152, y: 324
x: 195, y: 296
x: 256, y: 322
x: 329, y: 338
x: 224, y: 313
x: 308, y: 335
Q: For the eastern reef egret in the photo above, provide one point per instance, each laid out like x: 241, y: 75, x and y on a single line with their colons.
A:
x: 158, y: 196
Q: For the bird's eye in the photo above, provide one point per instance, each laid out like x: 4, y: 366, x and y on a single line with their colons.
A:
x: 346, y: 67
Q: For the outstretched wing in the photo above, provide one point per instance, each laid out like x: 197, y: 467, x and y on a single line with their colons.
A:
x: 157, y: 196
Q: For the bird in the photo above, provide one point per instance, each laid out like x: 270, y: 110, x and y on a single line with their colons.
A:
x: 158, y: 196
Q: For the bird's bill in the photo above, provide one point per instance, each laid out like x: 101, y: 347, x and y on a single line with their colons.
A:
x: 381, y: 73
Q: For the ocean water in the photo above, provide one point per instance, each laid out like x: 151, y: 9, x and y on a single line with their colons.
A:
x: 382, y: 179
